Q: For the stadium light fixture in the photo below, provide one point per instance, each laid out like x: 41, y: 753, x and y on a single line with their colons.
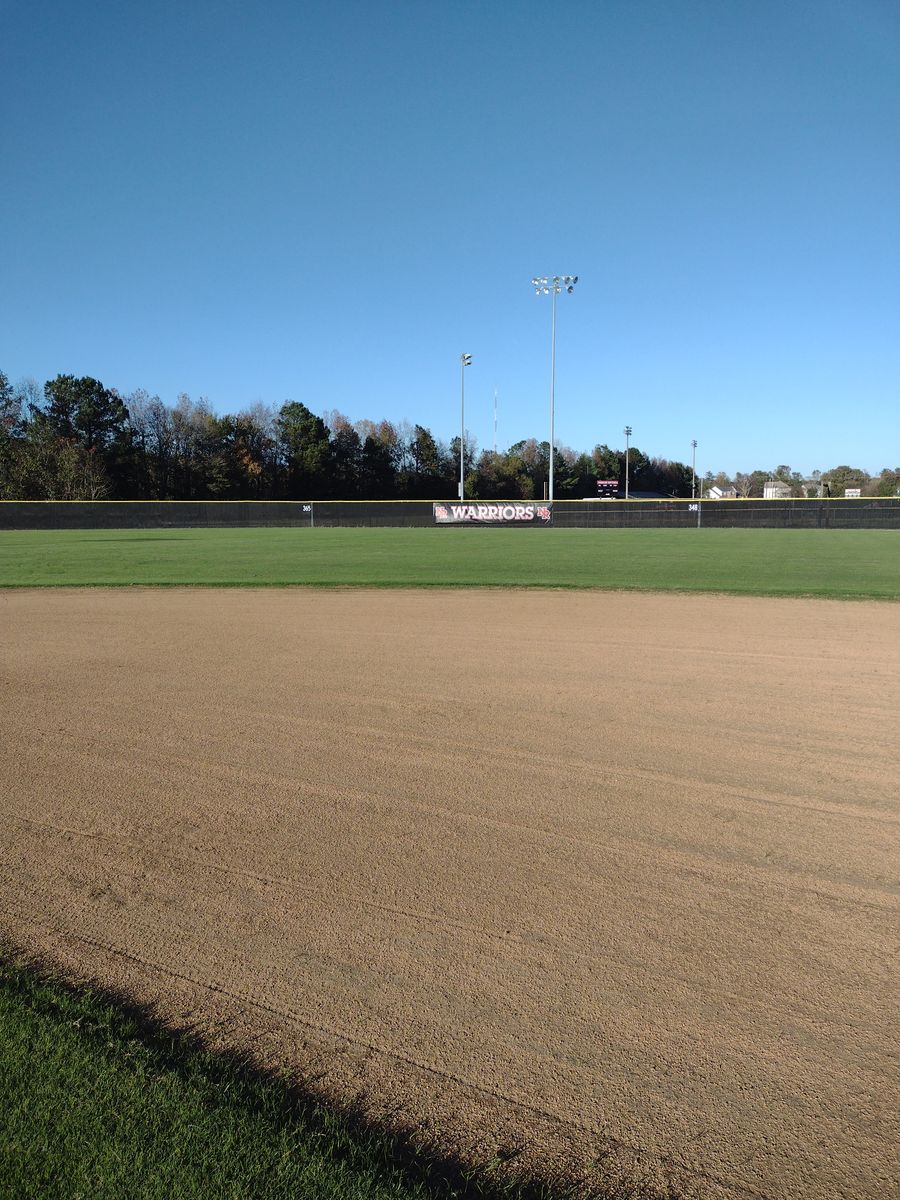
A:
x: 465, y: 360
x: 552, y: 285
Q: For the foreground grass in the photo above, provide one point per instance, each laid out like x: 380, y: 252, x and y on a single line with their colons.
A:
x: 96, y: 1103
x: 851, y: 563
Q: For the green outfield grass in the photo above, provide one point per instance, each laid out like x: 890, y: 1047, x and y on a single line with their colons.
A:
x: 97, y: 1102
x: 768, y: 562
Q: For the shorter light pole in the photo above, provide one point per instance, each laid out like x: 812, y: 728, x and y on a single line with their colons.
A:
x: 627, y: 436
x: 465, y: 360
x: 693, y: 468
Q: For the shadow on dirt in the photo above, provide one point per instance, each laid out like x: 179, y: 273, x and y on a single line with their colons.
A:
x: 353, y: 1138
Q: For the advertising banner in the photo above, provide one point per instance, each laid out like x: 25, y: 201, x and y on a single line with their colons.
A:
x: 518, y: 512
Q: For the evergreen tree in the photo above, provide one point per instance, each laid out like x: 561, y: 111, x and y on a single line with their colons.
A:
x: 85, y: 411
x: 304, y: 451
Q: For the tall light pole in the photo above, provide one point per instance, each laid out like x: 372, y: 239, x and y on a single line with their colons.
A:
x: 693, y: 468
x: 465, y: 360
x: 627, y: 436
x: 552, y: 285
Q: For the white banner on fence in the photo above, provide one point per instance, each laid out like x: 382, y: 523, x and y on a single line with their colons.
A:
x: 516, y: 513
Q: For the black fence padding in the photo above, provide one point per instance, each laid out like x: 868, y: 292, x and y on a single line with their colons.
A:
x: 151, y: 514
x: 875, y: 513
x: 414, y: 514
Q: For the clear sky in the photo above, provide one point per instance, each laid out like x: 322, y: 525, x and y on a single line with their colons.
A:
x: 329, y: 202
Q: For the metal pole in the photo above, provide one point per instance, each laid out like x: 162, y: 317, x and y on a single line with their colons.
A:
x: 552, y: 379
x: 544, y: 284
x: 693, y: 469
x: 464, y: 361
x: 462, y: 423
x: 627, y: 447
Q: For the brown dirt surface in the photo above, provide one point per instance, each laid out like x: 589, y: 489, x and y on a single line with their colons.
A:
x: 587, y: 880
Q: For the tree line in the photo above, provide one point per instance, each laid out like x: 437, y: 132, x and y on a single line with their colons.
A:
x: 76, y: 439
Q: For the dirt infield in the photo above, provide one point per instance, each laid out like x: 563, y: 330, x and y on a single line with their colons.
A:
x: 564, y: 876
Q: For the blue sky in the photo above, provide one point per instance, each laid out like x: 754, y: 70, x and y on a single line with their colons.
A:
x: 329, y: 202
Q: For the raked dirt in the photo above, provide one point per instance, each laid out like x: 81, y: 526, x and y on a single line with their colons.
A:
x: 595, y: 881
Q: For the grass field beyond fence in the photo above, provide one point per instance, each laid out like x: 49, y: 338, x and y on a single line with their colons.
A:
x: 771, y: 562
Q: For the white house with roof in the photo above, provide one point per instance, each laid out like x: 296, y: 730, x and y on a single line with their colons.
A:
x: 776, y: 489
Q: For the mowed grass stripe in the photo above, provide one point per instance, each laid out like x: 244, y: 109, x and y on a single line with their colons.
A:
x: 95, y: 1102
x: 766, y: 562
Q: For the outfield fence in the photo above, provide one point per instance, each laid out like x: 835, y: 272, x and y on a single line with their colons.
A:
x: 868, y: 513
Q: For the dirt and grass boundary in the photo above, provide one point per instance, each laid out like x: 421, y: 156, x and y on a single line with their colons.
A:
x: 99, y: 1097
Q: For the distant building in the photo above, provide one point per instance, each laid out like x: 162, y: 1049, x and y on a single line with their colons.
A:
x: 776, y: 489
x: 717, y: 493
x: 852, y: 493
